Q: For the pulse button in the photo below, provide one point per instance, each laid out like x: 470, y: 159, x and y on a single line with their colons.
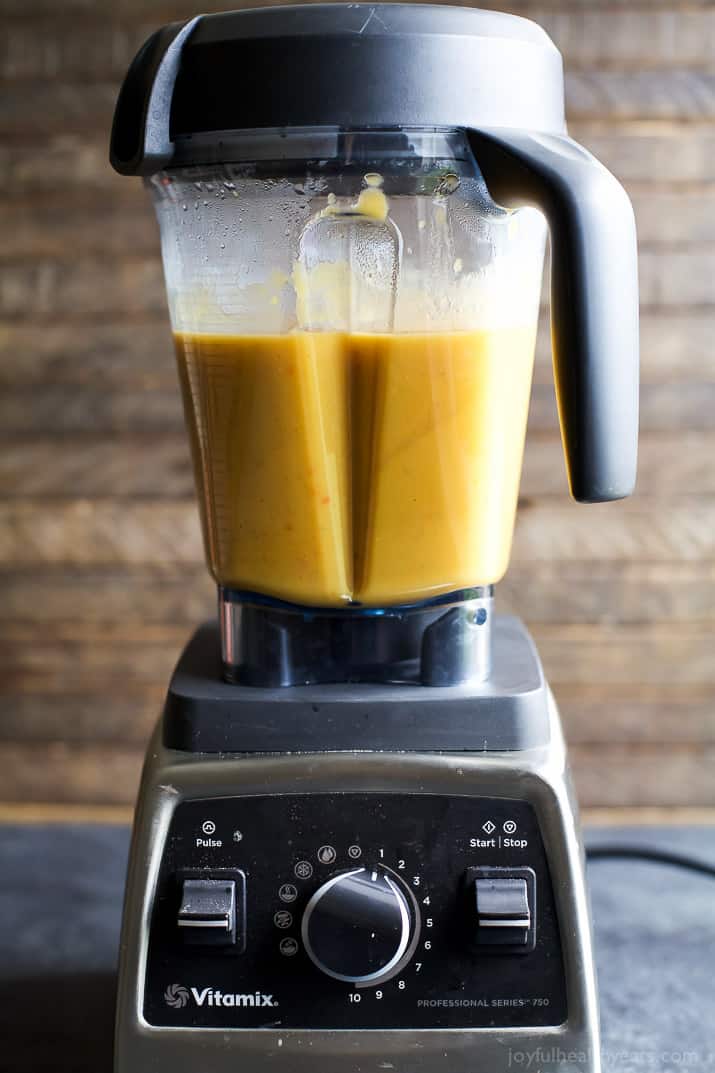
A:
x: 211, y: 911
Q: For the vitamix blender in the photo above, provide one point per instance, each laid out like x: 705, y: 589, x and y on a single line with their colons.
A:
x: 355, y: 845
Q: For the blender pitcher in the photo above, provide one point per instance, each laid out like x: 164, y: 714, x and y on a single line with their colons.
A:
x: 353, y: 282
x: 357, y: 384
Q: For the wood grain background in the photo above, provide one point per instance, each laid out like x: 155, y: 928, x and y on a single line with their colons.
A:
x: 100, y: 557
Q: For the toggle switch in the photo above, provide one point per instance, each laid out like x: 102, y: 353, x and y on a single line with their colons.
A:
x: 503, y: 915
x: 502, y: 908
x: 211, y: 910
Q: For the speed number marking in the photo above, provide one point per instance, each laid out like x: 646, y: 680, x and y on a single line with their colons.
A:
x: 422, y: 942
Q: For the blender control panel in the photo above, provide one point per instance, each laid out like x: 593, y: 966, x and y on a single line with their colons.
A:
x: 354, y: 910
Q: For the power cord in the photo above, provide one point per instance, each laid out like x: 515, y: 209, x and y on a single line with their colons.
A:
x: 617, y: 851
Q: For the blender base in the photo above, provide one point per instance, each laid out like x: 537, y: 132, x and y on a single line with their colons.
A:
x: 280, y: 828
x: 204, y: 713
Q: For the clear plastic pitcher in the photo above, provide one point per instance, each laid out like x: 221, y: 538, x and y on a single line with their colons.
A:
x: 350, y: 201
x: 354, y: 321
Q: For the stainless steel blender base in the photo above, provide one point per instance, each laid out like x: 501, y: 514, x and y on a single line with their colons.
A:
x: 536, y: 777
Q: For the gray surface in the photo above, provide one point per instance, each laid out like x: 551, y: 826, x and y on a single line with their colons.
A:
x: 60, y: 901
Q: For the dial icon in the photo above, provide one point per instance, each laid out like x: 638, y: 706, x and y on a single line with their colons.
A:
x: 357, y: 926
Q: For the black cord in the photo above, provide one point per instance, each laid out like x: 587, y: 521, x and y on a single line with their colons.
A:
x: 617, y: 851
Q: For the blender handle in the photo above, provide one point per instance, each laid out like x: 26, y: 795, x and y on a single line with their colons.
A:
x: 594, y: 297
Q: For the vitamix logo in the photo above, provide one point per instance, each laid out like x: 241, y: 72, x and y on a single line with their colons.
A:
x: 178, y: 997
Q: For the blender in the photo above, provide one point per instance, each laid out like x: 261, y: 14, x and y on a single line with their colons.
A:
x: 356, y: 843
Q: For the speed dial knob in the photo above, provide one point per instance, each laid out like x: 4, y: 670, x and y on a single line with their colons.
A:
x: 357, y: 926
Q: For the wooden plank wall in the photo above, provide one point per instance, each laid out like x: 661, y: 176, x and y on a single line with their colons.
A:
x: 99, y: 543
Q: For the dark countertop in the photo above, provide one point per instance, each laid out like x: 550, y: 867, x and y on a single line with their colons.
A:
x: 60, y: 904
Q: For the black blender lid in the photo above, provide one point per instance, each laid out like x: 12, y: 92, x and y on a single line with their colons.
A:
x: 345, y: 66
